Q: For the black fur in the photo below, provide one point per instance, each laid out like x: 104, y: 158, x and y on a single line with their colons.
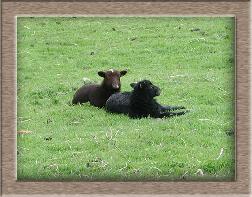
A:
x: 141, y: 103
x: 97, y: 95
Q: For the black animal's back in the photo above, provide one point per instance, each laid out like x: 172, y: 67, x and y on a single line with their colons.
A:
x: 119, y: 103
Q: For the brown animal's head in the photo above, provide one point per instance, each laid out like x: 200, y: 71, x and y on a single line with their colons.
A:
x: 112, y: 79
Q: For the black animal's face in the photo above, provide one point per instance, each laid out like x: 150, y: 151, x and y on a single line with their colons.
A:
x: 112, y: 78
x: 147, y: 88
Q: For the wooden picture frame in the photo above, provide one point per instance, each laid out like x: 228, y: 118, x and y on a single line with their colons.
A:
x: 10, y: 9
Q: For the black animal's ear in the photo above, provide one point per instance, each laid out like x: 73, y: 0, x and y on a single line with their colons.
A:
x: 123, y: 72
x: 101, y: 74
x: 133, y: 85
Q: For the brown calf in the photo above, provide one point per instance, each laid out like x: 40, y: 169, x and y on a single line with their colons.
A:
x: 97, y: 95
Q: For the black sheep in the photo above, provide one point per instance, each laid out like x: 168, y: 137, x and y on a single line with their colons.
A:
x: 97, y: 95
x: 141, y: 103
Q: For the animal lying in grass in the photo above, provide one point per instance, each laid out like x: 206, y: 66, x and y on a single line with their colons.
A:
x: 97, y: 95
x: 141, y: 103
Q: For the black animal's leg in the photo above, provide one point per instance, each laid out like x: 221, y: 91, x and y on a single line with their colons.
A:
x: 170, y: 114
x: 172, y: 108
x: 178, y: 113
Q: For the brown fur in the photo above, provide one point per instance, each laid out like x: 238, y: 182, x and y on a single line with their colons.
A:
x: 97, y: 95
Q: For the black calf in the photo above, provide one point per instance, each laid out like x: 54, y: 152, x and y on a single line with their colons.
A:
x: 141, y: 103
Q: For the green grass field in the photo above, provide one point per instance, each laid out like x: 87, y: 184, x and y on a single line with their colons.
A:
x: 190, y: 59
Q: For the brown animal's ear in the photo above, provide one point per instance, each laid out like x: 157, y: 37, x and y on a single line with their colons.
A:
x: 133, y: 85
x: 101, y: 74
x: 123, y: 72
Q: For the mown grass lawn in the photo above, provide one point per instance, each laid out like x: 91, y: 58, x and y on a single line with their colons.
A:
x: 190, y: 59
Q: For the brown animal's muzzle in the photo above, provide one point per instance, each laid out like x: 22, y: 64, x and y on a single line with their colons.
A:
x: 116, y: 86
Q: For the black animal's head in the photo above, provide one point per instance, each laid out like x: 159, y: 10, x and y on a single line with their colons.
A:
x: 145, y: 88
x: 112, y: 79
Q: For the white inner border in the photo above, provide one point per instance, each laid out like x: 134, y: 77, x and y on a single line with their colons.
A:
x: 147, y: 16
